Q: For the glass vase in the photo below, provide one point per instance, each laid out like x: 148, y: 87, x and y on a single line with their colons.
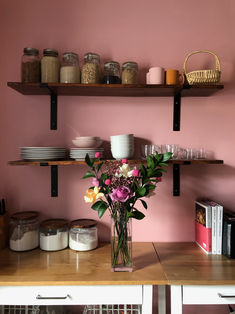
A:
x: 121, y: 244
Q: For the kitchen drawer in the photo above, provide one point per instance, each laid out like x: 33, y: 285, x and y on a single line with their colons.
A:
x: 70, y: 295
x: 208, y: 294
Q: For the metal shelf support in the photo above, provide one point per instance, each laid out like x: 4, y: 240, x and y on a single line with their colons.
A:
x: 176, y: 180
x: 54, y: 178
x: 53, y: 103
x: 176, y: 113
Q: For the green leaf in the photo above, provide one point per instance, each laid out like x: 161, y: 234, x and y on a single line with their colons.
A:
x: 99, y: 166
x: 163, y: 164
x: 150, y: 162
x: 157, y: 157
x: 89, y: 174
x: 103, y: 176
x: 166, y: 156
x: 150, y: 187
x: 141, y: 191
x: 136, y: 214
x: 144, y: 204
x: 101, y: 207
x: 89, y: 162
x: 143, y: 170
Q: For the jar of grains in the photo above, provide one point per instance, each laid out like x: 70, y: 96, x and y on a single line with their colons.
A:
x: 24, y: 231
x: 112, y: 73
x: 54, y: 234
x: 50, y: 66
x: 83, y: 235
x: 70, y: 71
x: 91, y: 70
x: 130, y: 73
x: 30, y: 66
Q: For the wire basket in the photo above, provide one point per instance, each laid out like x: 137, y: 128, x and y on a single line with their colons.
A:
x: 19, y: 309
x: 112, y: 309
x: 203, y: 76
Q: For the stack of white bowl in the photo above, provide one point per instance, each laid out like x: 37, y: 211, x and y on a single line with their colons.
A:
x: 86, y: 145
x: 87, y: 141
x: 122, y: 146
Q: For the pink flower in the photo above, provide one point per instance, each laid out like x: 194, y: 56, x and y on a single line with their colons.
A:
x: 124, y: 161
x: 121, y: 194
x: 97, y: 155
x: 135, y: 173
x: 107, y: 181
x: 95, y: 182
x: 159, y: 179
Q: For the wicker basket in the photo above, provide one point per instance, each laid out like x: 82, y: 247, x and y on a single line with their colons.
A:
x: 203, y: 76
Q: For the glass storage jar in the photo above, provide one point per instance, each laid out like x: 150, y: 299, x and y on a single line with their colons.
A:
x: 83, y: 235
x: 24, y: 231
x: 112, y: 73
x: 70, y: 71
x: 50, y: 66
x: 54, y: 234
x: 130, y: 73
x: 30, y: 66
x: 91, y: 70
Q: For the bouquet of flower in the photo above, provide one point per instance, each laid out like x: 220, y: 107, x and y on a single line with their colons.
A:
x: 117, y: 186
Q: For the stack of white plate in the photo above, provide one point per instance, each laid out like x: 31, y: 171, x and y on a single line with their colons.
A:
x: 122, y: 146
x: 43, y: 153
x: 80, y: 153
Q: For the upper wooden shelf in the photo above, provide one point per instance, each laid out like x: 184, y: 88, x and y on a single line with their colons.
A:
x: 137, y: 161
x: 119, y: 90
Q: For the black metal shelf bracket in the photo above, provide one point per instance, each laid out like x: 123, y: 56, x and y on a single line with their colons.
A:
x: 53, y: 103
x: 176, y: 113
x: 54, y: 181
x: 176, y: 180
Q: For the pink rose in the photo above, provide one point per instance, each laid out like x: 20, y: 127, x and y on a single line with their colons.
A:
x: 95, y: 182
x: 97, y: 155
x: 135, y: 173
x: 124, y: 161
x: 159, y: 179
x: 107, y: 181
x: 121, y: 194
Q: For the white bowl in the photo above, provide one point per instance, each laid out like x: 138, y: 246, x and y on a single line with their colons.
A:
x: 121, y: 155
x: 121, y: 136
x: 87, y: 143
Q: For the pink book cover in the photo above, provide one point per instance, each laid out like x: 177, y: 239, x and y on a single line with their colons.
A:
x: 203, y: 237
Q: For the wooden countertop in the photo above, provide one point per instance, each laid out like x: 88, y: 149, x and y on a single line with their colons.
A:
x: 68, y: 267
x: 186, y: 264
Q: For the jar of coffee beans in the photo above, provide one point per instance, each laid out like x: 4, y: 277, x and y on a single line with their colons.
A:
x: 130, y: 73
x: 91, y: 70
x: 30, y: 66
x: 112, y: 73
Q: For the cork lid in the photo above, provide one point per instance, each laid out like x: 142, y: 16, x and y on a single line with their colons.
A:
x: 25, y: 215
x: 83, y: 223
x: 54, y: 223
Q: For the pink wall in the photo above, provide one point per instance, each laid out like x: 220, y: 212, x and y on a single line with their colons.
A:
x: 152, y: 33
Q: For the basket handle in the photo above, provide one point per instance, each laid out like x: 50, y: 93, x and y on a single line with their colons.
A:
x: 217, y: 63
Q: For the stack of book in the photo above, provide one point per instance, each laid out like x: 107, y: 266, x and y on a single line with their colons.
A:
x: 208, y: 226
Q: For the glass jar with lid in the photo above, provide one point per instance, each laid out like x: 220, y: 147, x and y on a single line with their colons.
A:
x: 54, y: 234
x: 50, y: 66
x: 24, y: 231
x: 83, y: 235
x: 112, y: 73
x: 91, y: 70
x: 30, y: 66
x: 130, y: 73
x: 70, y: 71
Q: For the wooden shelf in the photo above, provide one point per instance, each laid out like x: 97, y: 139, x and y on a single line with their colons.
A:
x: 117, y: 90
x: 137, y: 161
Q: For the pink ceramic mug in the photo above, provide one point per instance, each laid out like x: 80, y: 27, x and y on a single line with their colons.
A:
x: 156, y: 75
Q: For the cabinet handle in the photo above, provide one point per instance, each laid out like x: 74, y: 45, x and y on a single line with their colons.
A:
x: 225, y: 296
x: 39, y: 297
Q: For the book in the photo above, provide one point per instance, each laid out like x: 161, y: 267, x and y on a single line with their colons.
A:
x: 214, y: 232
x: 203, y: 226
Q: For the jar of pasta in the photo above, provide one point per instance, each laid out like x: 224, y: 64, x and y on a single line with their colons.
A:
x: 54, y: 234
x: 50, y: 66
x: 83, y: 235
x: 30, y: 66
x: 24, y: 231
x: 130, y: 73
x: 70, y: 71
x: 91, y: 70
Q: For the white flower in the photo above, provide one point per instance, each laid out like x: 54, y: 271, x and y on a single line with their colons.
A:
x: 124, y: 171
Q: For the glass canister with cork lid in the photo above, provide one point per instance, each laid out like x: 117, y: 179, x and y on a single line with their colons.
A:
x: 30, y: 66
x: 54, y: 234
x: 91, y: 70
x: 112, y: 73
x: 70, y: 71
x: 83, y: 235
x: 24, y: 231
x: 50, y: 66
x: 130, y: 73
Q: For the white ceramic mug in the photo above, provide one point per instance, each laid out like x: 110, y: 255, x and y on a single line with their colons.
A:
x: 156, y: 75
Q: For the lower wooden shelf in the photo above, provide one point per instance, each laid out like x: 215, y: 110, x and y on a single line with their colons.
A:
x: 55, y: 163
